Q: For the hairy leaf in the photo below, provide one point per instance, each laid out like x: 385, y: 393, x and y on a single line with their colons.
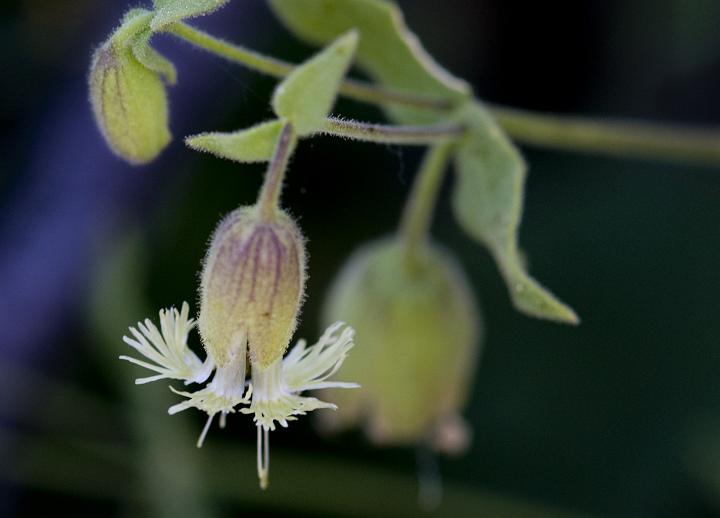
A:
x: 168, y: 12
x: 487, y: 200
x: 255, y: 144
x: 307, y: 95
x: 389, y: 52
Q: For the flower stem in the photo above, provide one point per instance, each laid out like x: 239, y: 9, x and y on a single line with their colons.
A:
x: 618, y: 138
x: 271, y: 66
x: 388, y: 134
x: 571, y: 133
x: 132, y: 27
x: 369, y: 93
x: 417, y: 215
x: 235, y: 53
x: 269, y: 197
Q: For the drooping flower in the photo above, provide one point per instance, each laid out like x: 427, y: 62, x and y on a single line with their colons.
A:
x: 251, y: 292
x: 418, y: 332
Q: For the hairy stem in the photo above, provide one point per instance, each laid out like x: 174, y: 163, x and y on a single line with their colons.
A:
x: 571, y: 133
x: 269, y: 197
x: 235, y: 53
x: 389, y: 134
x: 417, y: 215
x: 620, y: 138
x: 130, y: 28
x: 374, y: 94
x: 357, y: 90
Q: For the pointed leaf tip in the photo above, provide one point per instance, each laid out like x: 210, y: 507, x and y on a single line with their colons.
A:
x: 388, y: 50
x: 307, y: 95
x: 487, y: 201
x: 255, y: 144
x: 533, y: 299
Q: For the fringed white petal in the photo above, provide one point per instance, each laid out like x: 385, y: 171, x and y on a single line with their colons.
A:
x: 276, y: 389
x: 309, y: 368
x: 274, y: 394
x: 282, y: 409
x: 209, y: 401
x: 223, y: 393
x: 167, y: 350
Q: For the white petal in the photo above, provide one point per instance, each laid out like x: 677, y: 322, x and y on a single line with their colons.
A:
x: 305, y: 367
x: 276, y: 389
x: 166, y: 348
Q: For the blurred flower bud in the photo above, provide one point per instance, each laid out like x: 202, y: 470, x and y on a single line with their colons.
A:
x: 252, y: 287
x: 128, y: 98
x: 418, y: 331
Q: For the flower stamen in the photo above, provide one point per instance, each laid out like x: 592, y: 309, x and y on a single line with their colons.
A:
x: 205, y: 429
x: 263, y: 456
x: 276, y: 389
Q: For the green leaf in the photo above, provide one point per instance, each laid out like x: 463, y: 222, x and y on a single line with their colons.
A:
x: 307, y: 95
x: 254, y: 144
x: 487, y: 200
x: 168, y: 12
x: 388, y: 51
x: 152, y: 59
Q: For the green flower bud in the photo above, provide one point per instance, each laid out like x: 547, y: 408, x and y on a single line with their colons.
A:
x: 128, y: 98
x: 417, y: 340
x: 252, y: 287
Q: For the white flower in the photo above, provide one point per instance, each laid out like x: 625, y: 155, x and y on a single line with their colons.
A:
x: 222, y: 394
x: 167, y: 348
x: 273, y: 395
x: 275, y: 392
x: 276, y: 389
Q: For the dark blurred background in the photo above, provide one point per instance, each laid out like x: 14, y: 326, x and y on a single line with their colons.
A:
x: 620, y: 416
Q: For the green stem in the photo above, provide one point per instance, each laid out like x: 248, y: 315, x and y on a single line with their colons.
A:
x: 620, y: 138
x: 269, y: 198
x: 357, y: 90
x: 132, y: 28
x: 645, y: 140
x: 389, y: 134
x: 235, y: 53
x: 373, y: 94
x: 417, y: 216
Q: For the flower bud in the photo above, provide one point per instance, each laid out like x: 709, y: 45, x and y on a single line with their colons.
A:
x: 129, y: 102
x: 252, y: 287
x: 416, y: 345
